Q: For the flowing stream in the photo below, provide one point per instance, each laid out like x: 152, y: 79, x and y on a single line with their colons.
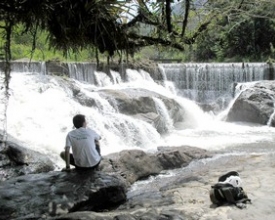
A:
x: 41, y: 108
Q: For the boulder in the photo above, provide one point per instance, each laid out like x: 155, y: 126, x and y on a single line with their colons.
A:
x: 135, y: 165
x: 138, y: 103
x: 132, y: 101
x: 177, y: 157
x: 16, y: 160
x: 255, y: 104
x: 132, y: 165
x: 54, y: 193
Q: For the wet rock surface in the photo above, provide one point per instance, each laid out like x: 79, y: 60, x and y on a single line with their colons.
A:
x: 184, y: 193
x: 16, y: 160
x: 50, y: 194
x: 138, y: 103
x: 181, y: 193
x: 255, y: 104
x: 54, y: 193
x: 172, y: 183
x: 135, y: 165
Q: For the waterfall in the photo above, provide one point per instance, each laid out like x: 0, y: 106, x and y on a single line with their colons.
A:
x: 270, y: 120
x: 115, y: 76
x: 42, y: 105
x: 208, y: 82
x: 29, y: 67
x: 135, y: 75
x: 200, y: 82
x: 81, y: 71
x: 167, y: 122
x: 41, y: 109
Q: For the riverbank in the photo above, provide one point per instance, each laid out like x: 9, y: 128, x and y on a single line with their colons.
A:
x: 184, y: 193
x: 257, y: 174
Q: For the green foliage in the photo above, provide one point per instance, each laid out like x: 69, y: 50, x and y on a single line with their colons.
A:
x: 22, y: 47
x: 238, y: 37
x: 238, y: 31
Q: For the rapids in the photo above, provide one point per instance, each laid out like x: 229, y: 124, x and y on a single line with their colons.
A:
x: 41, y: 108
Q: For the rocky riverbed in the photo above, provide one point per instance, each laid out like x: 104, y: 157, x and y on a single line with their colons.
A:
x: 172, y: 183
x: 184, y: 193
x: 152, y: 192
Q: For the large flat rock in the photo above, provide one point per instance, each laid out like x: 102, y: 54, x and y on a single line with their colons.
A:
x: 54, y: 193
x: 185, y: 193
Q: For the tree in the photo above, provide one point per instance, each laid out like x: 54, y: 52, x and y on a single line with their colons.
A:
x: 245, y: 31
x: 75, y: 24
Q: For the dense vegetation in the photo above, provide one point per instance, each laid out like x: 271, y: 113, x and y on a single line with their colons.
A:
x: 198, y: 30
x: 239, y: 37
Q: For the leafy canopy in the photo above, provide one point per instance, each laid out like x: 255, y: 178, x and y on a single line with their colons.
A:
x: 109, y: 25
x: 114, y: 25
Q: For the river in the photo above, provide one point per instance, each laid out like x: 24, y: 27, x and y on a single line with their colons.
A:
x: 41, y: 108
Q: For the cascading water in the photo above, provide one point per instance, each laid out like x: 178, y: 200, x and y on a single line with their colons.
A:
x: 42, y: 106
x: 163, y: 112
x: 212, y: 82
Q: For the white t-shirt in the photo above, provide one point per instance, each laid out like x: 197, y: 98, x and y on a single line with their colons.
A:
x: 82, y: 141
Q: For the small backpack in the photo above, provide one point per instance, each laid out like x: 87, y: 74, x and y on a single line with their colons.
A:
x: 229, y: 190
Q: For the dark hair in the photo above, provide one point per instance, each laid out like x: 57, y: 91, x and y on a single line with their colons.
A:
x: 78, y: 120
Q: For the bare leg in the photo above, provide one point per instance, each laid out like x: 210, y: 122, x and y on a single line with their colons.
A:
x: 62, y: 155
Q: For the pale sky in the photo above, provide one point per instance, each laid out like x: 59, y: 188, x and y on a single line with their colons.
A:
x: 132, y: 6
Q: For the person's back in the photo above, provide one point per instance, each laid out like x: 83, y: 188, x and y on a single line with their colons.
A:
x: 82, y: 141
x: 85, y: 146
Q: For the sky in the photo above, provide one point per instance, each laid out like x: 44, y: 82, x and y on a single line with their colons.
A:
x: 132, y: 6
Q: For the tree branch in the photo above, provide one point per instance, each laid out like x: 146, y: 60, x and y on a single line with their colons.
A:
x: 168, y: 16
x: 142, y: 41
x: 185, y: 20
x: 202, y: 27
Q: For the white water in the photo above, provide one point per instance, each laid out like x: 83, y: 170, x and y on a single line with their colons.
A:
x: 41, y: 108
x: 208, y: 82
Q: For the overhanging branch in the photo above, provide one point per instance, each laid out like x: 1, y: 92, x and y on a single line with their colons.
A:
x: 168, y: 16
x: 202, y: 27
x: 185, y: 20
x: 142, y: 41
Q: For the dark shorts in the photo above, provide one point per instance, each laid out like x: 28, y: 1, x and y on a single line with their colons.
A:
x: 82, y: 168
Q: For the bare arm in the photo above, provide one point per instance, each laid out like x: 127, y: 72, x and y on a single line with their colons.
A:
x: 97, y: 146
x: 67, y: 157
